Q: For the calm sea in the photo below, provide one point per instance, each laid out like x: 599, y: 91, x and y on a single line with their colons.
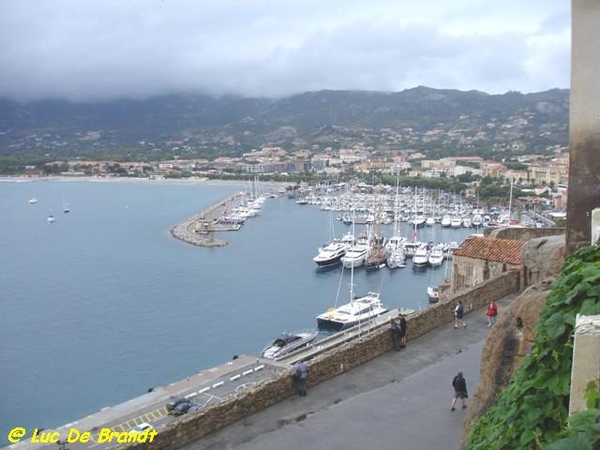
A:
x: 103, y: 303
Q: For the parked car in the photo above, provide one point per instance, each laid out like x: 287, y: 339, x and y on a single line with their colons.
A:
x: 176, y: 401
x: 181, y: 408
x: 142, y: 427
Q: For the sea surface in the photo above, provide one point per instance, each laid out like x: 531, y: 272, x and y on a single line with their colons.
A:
x: 103, y: 304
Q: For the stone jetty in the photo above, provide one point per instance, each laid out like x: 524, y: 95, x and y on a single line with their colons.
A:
x: 199, y: 229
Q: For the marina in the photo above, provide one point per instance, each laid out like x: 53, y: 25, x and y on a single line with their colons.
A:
x: 129, y: 307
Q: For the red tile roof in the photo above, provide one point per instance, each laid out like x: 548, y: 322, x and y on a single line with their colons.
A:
x: 499, y: 250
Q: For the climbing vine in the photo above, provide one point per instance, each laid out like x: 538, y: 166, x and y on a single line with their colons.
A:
x: 532, y: 411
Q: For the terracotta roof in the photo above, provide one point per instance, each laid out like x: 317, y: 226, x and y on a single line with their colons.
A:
x: 499, y: 250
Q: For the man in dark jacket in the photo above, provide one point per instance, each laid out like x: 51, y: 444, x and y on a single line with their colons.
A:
x: 460, y: 391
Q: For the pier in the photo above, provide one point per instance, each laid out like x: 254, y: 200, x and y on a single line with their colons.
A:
x: 199, y: 229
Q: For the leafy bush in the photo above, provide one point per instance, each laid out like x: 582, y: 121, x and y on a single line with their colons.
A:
x: 532, y: 411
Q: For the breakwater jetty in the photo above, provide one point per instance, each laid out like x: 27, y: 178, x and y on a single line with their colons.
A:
x: 199, y: 229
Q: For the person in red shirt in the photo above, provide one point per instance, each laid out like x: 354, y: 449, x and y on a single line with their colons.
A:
x: 491, y: 313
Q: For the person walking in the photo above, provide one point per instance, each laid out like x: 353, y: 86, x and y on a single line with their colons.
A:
x: 301, y: 376
x: 395, y: 330
x: 402, y: 324
x: 491, y: 313
x: 459, y: 312
x: 460, y: 391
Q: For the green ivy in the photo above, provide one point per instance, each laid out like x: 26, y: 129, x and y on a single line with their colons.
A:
x: 532, y: 412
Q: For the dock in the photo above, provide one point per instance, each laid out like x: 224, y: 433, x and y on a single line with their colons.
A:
x: 199, y: 229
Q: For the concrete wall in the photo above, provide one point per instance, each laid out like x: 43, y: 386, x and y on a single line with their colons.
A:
x: 195, y: 426
x: 584, y: 122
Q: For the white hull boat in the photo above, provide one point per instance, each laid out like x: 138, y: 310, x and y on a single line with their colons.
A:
x: 358, y: 310
x: 288, y: 342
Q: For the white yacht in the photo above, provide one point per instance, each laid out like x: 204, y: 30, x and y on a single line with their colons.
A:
x: 455, y: 222
x: 396, y: 259
x: 288, y: 342
x: 421, y: 257
x: 330, y: 254
x: 33, y: 201
x: 51, y: 219
x: 359, y: 310
x: 410, y: 248
x: 466, y: 222
x: 394, y: 243
x: 445, y: 220
x: 436, y: 256
x: 355, y: 256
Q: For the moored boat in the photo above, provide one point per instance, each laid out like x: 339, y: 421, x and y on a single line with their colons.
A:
x: 330, y: 254
x: 359, y: 310
x: 288, y: 342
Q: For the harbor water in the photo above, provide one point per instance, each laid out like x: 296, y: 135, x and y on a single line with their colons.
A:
x: 104, y: 303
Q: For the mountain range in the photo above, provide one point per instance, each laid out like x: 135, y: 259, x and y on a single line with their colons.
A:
x: 436, y: 121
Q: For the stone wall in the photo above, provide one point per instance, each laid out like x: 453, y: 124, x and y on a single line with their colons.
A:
x: 468, y: 272
x: 351, y: 354
x: 521, y: 234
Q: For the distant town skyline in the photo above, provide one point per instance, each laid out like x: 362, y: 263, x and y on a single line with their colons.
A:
x: 108, y: 49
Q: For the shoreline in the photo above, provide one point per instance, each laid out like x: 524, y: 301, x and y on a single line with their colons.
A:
x: 25, y: 179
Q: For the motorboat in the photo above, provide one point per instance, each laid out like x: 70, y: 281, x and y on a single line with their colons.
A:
x: 51, y: 218
x: 355, y: 256
x: 288, y: 342
x: 330, y: 254
x: 394, y: 243
x: 421, y: 257
x: 436, y: 256
x: 33, y: 201
x: 433, y: 292
x: 359, y: 310
x: 456, y: 222
x: 446, y: 221
x: 410, y: 248
x: 396, y: 259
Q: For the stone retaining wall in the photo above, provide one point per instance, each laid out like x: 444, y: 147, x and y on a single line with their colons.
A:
x: 281, y: 386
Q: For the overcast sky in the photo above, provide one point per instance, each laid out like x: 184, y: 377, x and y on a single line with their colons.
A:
x: 105, y: 49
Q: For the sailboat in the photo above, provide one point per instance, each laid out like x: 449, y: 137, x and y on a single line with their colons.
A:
x: 359, y: 309
x: 395, y: 244
x: 65, y: 206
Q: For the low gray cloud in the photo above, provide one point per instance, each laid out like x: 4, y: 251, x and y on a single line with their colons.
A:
x: 105, y: 49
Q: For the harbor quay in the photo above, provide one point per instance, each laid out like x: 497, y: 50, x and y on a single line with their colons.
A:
x: 199, y: 228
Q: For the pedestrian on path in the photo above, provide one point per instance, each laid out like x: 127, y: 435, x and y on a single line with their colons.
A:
x: 459, y: 312
x: 460, y: 391
x: 402, y: 323
x: 395, y: 330
x: 301, y: 375
x: 491, y: 313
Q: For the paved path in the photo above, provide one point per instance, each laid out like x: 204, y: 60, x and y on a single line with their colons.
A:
x: 400, y: 400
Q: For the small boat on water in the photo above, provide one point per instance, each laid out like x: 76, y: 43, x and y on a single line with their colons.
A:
x: 33, y: 201
x: 50, y: 218
x: 433, y: 292
x: 288, y: 342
